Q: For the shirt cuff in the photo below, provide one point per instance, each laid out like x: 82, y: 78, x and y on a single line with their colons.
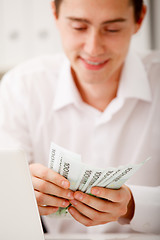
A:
x: 147, y: 209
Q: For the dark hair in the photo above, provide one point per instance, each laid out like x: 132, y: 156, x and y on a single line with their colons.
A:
x: 138, y: 4
x: 57, y: 4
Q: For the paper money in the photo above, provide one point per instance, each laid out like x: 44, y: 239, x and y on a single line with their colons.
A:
x: 125, y: 174
x: 93, y: 177
x: 83, y: 177
x: 103, y: 177
x: 58, y: 154
x: 87, y: 172
x: 71, y: 170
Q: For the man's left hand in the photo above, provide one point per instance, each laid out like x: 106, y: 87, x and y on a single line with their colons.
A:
x: 109, y: 205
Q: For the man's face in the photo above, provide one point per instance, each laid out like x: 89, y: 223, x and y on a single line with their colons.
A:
x: 96, y: 35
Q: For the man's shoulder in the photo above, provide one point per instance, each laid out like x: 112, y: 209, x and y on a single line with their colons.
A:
x: 151, y: 60
x: 34, y: 78
x: 152, y: 65
x: 37, y: 66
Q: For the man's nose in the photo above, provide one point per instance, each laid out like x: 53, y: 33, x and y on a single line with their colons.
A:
x: 94, y: 45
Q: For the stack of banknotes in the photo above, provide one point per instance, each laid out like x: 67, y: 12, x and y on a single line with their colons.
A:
x: 83, y: 177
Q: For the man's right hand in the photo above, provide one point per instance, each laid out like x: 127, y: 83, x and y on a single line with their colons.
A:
x: 51, y: 189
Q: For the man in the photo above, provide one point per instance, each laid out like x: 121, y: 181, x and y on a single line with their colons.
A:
x: 102, y: 102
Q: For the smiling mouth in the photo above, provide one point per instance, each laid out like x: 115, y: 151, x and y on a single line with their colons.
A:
x: 94, y: 64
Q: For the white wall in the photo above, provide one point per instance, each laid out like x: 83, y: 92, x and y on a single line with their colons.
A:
x: 156, y: 23
x: 142, y: 40
x: 27, y: 29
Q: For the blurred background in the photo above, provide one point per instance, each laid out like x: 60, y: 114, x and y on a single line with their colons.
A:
x: 27, y: 30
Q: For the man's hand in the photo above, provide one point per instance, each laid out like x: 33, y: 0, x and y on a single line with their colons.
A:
x: 91, y: 211
x: 51, y: 189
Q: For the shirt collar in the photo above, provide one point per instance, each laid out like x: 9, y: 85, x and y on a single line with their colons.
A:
x: 66, y: 91
x: 134, y: 82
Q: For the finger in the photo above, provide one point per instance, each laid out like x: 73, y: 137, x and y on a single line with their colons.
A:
x: 47, y: 210
x: 91, y: 213
x: 96, y: 203
x: 48, y: 200
x: 83, y: 219
x: 40, y: 171
x: 50, y: 188
x: 79, y: 217
x: 114, y: 195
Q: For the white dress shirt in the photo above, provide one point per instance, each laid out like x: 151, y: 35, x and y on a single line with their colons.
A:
x: 40, y: 103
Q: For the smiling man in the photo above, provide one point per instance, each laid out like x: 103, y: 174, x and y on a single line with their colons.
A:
x: 101, y: 100
x: 96, y: 37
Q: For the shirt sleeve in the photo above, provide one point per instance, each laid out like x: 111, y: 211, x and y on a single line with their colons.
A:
x: 147, y: 209
x: 14, y: 132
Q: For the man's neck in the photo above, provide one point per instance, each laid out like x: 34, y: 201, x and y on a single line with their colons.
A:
x: 98, y: 95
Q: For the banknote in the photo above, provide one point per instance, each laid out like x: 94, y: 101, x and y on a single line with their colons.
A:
x: 105, y: 174
x: 87, y: 172
x: 71, y: 170
x: 93, y: 177
x: 58, y: 154
x: 125, y: 174
x: 83, y: 177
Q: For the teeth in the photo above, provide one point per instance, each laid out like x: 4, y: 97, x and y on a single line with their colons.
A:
x: 94, y: 63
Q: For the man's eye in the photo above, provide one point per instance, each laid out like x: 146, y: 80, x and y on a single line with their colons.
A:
x: 79, y: 28
x: 112, y: 30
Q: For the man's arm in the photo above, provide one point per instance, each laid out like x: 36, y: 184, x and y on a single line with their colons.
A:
x: 147, y: 209
x: 13, y: 125
x: 137, y: 206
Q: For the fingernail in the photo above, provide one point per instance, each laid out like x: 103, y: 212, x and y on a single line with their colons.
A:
x: 65, y: 203
x: 71, y: 210
x: 79, y: 196
x: 95, y: 191
x: 70, y: 195
x: 65, y: 184
x: 74, y: 202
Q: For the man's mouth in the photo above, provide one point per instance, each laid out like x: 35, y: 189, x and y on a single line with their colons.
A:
x: 95, y: 64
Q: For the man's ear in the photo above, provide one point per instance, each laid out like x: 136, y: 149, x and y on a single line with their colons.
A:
x: 141, y: 19
x: 54, y: 9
